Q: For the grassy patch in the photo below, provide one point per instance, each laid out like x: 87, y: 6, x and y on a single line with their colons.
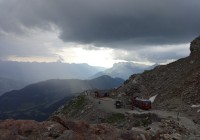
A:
x: 115, y: 118
x: 142, y: 122
x: 79, y: 102
x: 74, y: 105
x: 146, y: 71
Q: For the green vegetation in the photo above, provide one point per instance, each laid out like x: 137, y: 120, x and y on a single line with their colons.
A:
x: 79, y: 103
x: 115, y: 118
x: 74, y: 105
x: 142, y: 122
x: 146, y: 71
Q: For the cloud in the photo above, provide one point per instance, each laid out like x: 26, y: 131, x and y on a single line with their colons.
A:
x: 106, y: 22
x: 153, y: 54
x: 128, y: 30
x: 34, y: 44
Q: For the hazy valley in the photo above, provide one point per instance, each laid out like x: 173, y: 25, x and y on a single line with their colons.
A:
x: 38, y: 101
x: 16, y: 75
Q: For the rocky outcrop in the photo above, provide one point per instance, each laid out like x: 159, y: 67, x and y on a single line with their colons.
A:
x: 176, y: 84
x: 71, y: 130
x: 195, y: 46
x: 61, y: 128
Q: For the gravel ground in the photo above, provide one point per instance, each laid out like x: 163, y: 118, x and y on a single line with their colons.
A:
x: 107, y: 105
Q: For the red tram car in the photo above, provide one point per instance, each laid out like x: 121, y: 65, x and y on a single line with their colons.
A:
x: 141, y: 103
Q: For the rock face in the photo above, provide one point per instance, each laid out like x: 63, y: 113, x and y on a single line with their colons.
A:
x: 195, y: 46
x: 176, y: 84
x: 62, y: 129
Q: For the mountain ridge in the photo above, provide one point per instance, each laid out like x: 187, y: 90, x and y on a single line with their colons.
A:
x: 38, y: 97
x: 124, y: 70
x: 25, y: 73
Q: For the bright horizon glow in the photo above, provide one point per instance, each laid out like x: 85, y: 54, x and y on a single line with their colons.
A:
x: 39, y: 59
x: 40, y: 46
x: 99, y: 57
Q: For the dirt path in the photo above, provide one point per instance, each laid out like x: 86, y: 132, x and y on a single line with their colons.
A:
x: 108, y: 105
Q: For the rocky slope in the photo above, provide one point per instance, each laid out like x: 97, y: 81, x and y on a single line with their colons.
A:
x: 69, y: 123
x: 63, y: 129
x: 176, y: 85
x: 155, y: 123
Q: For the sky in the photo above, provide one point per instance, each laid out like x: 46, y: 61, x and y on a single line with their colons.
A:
x: 97, y: 32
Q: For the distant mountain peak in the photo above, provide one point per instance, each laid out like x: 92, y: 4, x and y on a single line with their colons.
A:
x: 128, y: 63
x: 124, y: 70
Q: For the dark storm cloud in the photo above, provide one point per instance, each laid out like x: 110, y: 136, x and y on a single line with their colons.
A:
x: 106, y: 21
